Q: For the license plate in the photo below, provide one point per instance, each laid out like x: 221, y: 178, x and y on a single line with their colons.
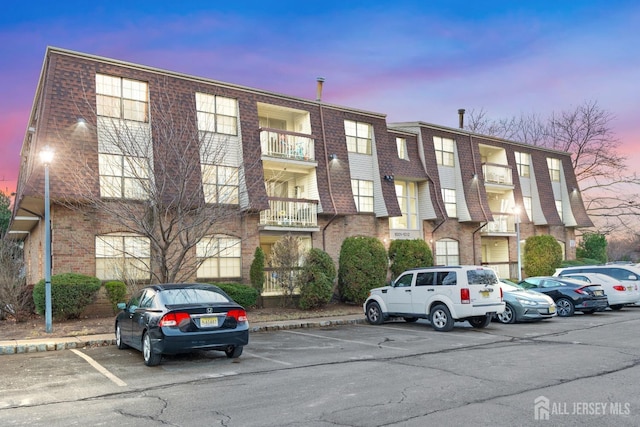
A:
x: 208, y: 322
x: 552, y: 309
x: 598, y: 293
x: 485, y: 294
x: 629, y: 288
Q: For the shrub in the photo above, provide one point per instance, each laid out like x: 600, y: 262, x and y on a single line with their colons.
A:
x: 316, y: 280
x: 71, y: 293
x: 363, y: 266
x: 16, y: 299
x: 593, y: 246
x: 116, y: 292
x: 406, y: 254
x: 256, y: 272
x: 244, y: 295
x: 542, y: 255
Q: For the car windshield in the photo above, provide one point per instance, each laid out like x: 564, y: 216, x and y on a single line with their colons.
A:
x: 509, y: 287
x: 481, y: 277
x: 192, y: 296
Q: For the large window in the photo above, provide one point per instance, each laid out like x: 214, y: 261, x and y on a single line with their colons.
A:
x: 362, y: 194
x: 217, y: 114
x: 449, y: 198
x: 554, y: 169
x: 444, y: 151
x: 447, y: 252
x: 522, y: 163
x: 220, y: 184
x: 124, y: 137
x: 121, y: 98
x: 358, y: 136
x: 219, y: 257
x: 408, y: 201
x: 122, y: 256
x: 401, y: 145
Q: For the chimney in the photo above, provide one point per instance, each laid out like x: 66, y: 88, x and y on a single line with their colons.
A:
x: 319, y: 90
x: 461, y: 118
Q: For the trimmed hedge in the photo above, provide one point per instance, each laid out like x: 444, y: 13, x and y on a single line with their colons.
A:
x: 256, y: 272
x: 71, y: 293
x: 244, y: 295
x: 542, y: 255
x: 363, y: 266
x: 406, y: 254
x: 316, y: 279
x: 116, y: 292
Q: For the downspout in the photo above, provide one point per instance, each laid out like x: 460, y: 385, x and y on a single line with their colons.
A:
x: 320, y: 81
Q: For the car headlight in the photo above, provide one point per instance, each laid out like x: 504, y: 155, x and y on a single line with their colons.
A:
x: 528, y: 302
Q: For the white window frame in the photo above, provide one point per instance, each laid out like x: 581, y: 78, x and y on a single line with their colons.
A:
x: 362, y: 194
x: 220, y: 184
x: 122, y: 256
x: 447, y: 252
x: 554, y: 169
x: 407, y: 194
x: 523, y: 163
x: 450, y: 202
x: 445, y: 151
x: 219, y: 257
x: 401, y: 144
x: 122, y: 98
x: 217, y: 114
x: 359, y: 136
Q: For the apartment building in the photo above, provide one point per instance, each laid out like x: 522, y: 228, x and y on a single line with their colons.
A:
x: 236, y: 168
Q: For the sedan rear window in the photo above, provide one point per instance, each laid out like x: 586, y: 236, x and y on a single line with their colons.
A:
x: 192, y: 296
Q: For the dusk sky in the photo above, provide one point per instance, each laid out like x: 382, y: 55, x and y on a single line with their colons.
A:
x: 410, y: 60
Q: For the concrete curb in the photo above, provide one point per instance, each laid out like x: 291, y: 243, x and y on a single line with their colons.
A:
x: 102, y: 340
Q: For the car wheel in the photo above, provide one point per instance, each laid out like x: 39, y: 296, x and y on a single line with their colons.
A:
x: 508, y: 315
x: 150, y: 358
x: 374, y: 313
x: 480, y: 321
x: 410, y: 319
x: 616, y: 307
x: 121, y: 345
x: 440, y: 318
x: 565, y: 307
x: 233, y: 351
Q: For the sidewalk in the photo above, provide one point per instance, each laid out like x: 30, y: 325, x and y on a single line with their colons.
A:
x: 65, y: 343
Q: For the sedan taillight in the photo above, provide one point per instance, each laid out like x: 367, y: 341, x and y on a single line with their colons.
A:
x: 581, y: 291
x: 239, y: 315
x: 619, y: 288
x: 174, y: 319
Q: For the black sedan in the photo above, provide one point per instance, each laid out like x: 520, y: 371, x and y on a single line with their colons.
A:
x: 570, y: 295
x: 180, y: 318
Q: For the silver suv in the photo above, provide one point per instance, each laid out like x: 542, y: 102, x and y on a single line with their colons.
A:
x: 443, y: 295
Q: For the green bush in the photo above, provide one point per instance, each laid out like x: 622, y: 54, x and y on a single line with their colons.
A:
x: 593, y: 246
x: 256, y: 272
x: 116, y: 292
x: 406, y: 254
x: 71, y: 293
x: 542, y: 255
x: 363, y: 266
x: 316, y: 280
x: 244, y: 295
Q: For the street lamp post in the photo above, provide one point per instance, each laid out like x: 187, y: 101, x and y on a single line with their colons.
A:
x: 46, y: 155
x: 517, y: 220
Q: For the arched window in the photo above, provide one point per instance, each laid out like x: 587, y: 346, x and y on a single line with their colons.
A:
x: 447, y: 252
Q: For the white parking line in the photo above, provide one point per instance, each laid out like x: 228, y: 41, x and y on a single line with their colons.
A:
x: 100, y: 368
x: 270, y: 360
x: 340, y: 339
x: 415, y: 331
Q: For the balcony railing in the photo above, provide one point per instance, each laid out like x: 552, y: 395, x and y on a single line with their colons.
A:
x: 502, y: 223
x: 285, y: 212
x: 272, y: 286
x: 287, y: 145
x: 497, y: 174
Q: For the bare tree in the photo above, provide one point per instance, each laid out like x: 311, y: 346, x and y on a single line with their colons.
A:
x: 285, y: 259
x: 165, y: 181
x: 609, y: 191
x: 16, y: 300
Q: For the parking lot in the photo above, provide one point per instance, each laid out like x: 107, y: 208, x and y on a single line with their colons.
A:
x: 579, y: 370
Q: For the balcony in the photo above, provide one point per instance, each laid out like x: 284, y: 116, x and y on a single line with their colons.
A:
x: 497, y: 174
x: 502, y: 224
x: 290, y: 213
x: 287, y: 145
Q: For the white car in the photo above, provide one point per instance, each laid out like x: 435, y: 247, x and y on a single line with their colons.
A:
x: 443, y: 295
x: 618, y: 293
